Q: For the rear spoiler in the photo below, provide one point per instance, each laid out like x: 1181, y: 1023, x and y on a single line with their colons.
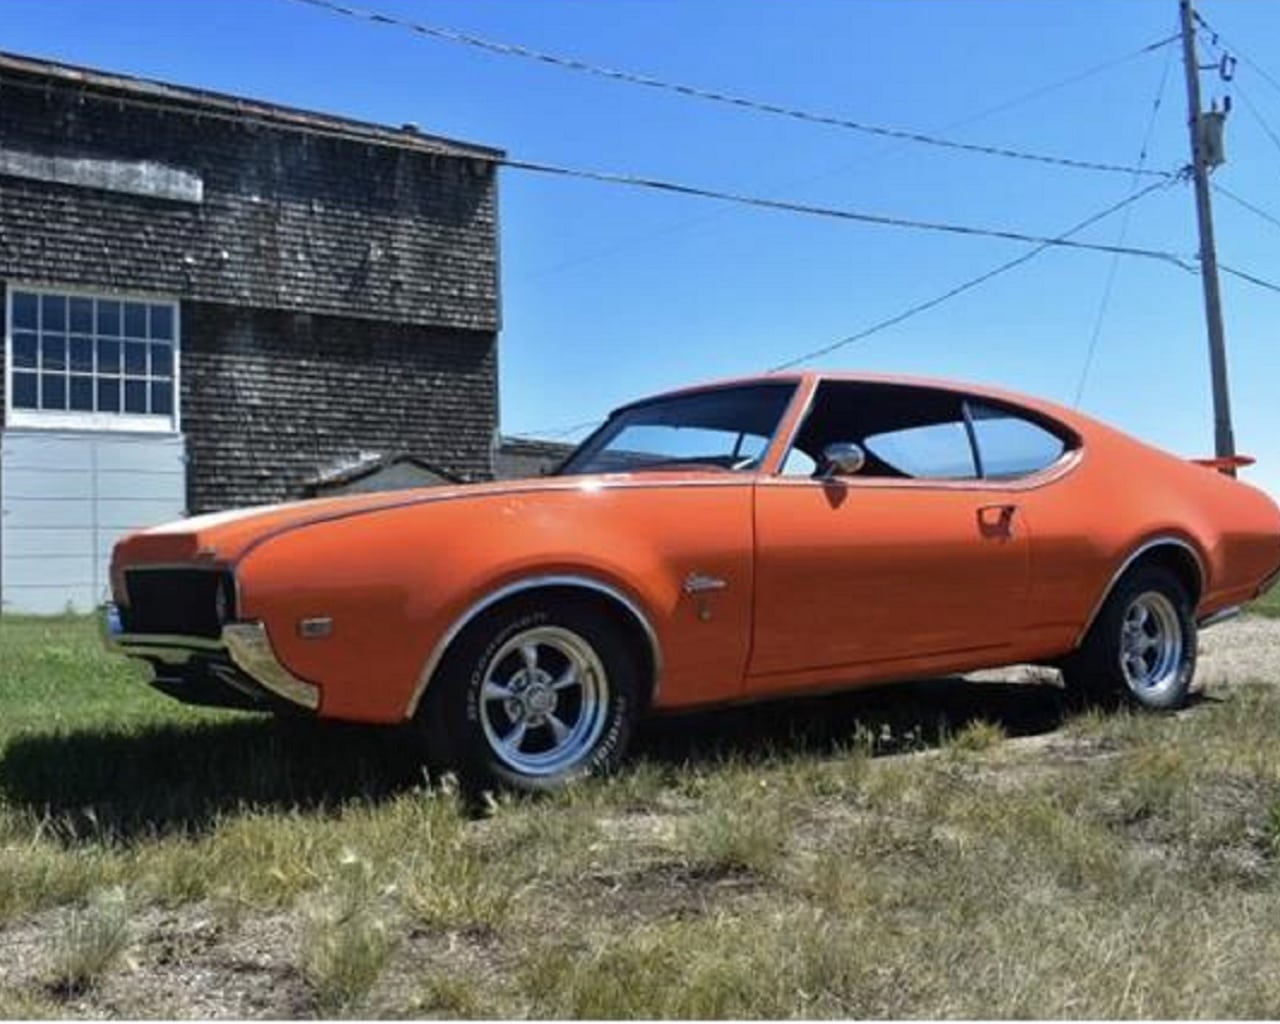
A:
x: 1226, y: 463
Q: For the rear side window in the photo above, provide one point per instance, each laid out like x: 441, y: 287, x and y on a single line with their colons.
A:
x: 934, y: 451
x: 1011, y: 446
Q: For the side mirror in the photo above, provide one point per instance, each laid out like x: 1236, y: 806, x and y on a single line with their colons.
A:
x: 844, y: 458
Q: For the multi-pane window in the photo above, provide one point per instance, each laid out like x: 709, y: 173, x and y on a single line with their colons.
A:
x: 103, y: 357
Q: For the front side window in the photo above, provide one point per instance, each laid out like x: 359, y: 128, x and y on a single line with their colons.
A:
x: 724, y: 428
x: 906, y: 432
x: 922, y: 433
x: 91, y: 361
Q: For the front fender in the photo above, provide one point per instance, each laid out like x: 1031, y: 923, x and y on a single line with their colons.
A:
x: 396, y: 583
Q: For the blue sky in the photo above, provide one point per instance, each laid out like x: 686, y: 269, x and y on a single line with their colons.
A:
x: 609, y: 293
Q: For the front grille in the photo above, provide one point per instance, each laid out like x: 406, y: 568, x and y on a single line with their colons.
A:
x: 178, y: 602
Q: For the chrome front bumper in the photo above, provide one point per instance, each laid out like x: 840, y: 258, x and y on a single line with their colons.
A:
x: 242, y: 647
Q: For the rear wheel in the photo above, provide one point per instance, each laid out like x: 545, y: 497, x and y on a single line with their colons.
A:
x: 536, y: 694
x: 1142, y: 647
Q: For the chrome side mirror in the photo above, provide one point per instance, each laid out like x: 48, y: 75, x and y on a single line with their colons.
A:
x: 844, y: 458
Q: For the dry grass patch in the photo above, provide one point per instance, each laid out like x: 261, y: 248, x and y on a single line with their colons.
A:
x: 91, y: 942
x: 348, y: 936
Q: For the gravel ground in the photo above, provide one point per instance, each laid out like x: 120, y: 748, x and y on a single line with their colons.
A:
x: 1244, y: 649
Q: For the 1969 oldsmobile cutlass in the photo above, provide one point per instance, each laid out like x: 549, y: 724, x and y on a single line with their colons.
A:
x: 749, y: 539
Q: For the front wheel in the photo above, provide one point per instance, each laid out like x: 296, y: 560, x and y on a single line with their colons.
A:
x: 1142, y: 647
x: 533, y: 696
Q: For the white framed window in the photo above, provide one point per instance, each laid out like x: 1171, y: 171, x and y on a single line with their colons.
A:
x: 77, y: 360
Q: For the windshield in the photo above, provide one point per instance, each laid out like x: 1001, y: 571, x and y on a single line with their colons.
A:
x: 725, y: 428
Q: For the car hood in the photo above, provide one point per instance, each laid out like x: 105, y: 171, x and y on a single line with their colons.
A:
x: 222, y: 538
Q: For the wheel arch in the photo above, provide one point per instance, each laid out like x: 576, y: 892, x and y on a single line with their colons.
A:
x: 626, y: 612
x: 1175, y: 553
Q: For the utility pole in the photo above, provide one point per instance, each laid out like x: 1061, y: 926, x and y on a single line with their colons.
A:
x: 1224, y: 441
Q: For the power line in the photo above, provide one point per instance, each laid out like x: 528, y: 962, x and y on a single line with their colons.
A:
x: 839, y: 213
x: 1229, y: 53
x: 1062, y: 83
x: 1251, y: 278
x: 1266, y: 75
x: 1241, y: 201
x: 550, y: 433
x: 1257, y: 116
x: 1113, y: 270
x: 635, y: 181
x: 951, y: 293
x: 715, y: 96
x: 886, y: 150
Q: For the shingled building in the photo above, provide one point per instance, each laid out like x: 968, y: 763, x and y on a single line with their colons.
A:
x: 210, y: 301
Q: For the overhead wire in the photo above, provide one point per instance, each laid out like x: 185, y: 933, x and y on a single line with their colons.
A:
x: 1271, y: 133
x: 552, y: 433
x: 716, y: 96
x: 883, y: 151
x: 1112, y: 271
x: 974, y: 282
x: 1229, y: 45
x: 1241, y: 201
x: 638, y: 181
x: 839, y: 213
x: 1251, y: 278
x: 1262, y: 72
x: 1227, y: 53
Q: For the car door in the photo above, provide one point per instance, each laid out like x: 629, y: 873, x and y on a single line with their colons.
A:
x: 914, y: 558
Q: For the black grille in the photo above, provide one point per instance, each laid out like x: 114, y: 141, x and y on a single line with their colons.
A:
x: 178, y: 602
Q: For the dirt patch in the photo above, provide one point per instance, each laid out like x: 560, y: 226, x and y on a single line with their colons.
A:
x: 1242, y: 650
x: 187, y: 962
x: 1246, y: 649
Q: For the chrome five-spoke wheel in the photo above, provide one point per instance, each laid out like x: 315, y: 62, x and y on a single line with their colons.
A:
x: 544, y: 700
x: 1151, y: 643
x: 541, y: 690
x: 1142, y: 646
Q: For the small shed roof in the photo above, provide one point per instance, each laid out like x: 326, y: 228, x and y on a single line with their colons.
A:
x: 346, y: 474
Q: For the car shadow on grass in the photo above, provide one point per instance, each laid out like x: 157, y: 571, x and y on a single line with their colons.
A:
x: 882, y: 720
x: 160, y: 779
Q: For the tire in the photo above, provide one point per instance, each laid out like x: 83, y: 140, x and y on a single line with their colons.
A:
x: 1141, y: 649
x: 497, y: 725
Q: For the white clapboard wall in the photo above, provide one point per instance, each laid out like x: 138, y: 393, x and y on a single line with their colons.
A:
x: 65, y: 498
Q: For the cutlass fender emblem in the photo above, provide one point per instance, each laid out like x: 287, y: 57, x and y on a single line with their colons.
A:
x: 314, y: 629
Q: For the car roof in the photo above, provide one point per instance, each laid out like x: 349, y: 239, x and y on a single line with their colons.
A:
x: 1051, y: 410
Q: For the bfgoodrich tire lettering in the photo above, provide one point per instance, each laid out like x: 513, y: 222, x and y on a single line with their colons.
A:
x: 1142, y: 647
x: 537, y: 693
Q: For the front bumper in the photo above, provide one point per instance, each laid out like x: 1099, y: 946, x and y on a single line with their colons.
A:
x: 238, y: 669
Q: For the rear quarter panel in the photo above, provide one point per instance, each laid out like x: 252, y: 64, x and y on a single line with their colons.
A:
x: 1122, y: 494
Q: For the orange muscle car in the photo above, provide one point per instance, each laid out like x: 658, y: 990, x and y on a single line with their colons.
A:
x: 747, y: 539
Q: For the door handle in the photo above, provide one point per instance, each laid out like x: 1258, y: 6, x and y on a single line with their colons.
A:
x: 698, y: 583
x: 996, y: 520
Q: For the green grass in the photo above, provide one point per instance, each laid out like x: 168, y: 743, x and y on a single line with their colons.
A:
x: 1268, y: 604
x: 943, y: 849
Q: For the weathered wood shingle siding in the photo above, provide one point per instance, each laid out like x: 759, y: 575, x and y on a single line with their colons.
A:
x: 288, y: 220
x: 339, y: 292
x: 274, y: 396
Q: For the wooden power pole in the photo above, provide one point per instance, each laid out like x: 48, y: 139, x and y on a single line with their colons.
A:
x: 1224, y: 440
